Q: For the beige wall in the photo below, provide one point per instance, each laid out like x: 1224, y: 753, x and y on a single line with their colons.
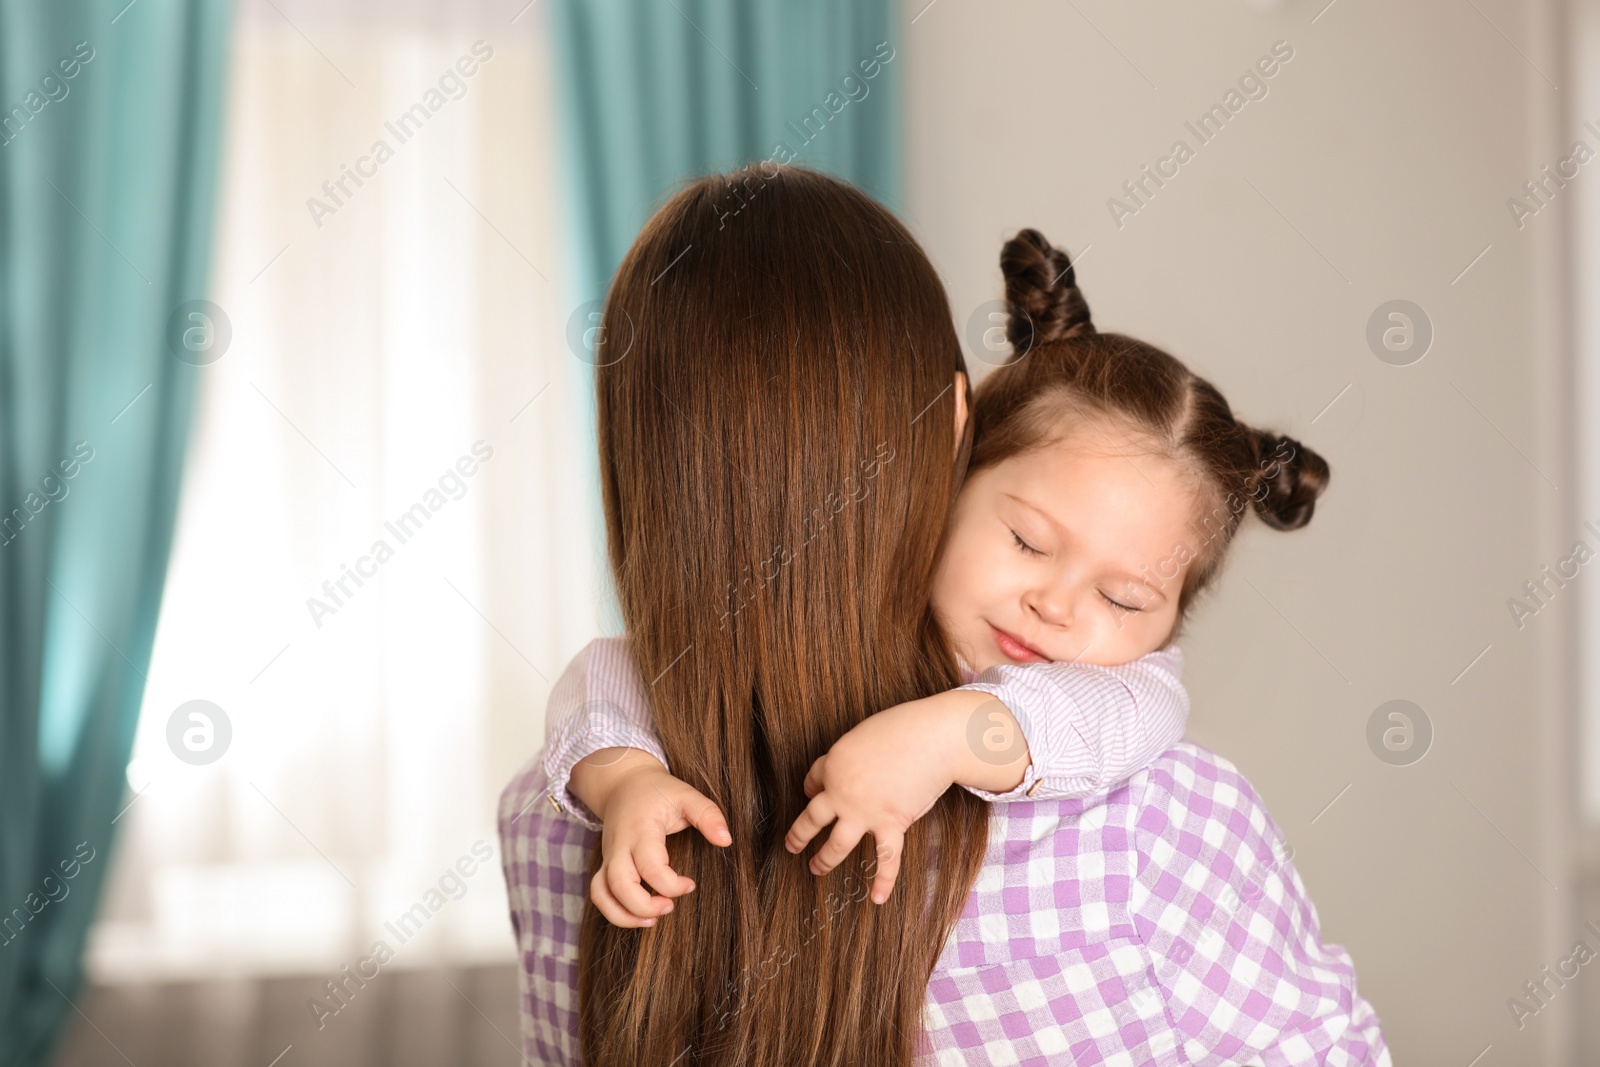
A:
x: 1377, y: 167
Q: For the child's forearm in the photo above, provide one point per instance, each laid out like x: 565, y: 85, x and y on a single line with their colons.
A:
x: 1090, y: 727
x: 595, y: 777
x: 981, y: 741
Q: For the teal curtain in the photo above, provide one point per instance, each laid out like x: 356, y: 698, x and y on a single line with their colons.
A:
x: 655, y: 91
x: 109, y: 124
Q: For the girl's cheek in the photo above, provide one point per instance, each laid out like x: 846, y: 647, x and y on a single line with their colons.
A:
x: 945, y: 597
x: 961, y: 555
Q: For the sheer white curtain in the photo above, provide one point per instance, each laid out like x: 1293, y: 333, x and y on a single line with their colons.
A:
x: 397, y: 375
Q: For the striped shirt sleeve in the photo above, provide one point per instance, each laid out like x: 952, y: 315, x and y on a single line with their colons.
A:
x: 1089, y: 727
x: 598, y: 702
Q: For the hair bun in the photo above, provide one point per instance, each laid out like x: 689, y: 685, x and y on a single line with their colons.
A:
x: 1041, y: 292
x: 1287, y: 479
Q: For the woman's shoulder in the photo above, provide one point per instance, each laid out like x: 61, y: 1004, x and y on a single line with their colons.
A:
x: 1188, y: 773
x: 1185, y: 776
x: 1189, y: 804
x: 1062, y: 875
x: 1196, y: 798
x: 1193, y: 810
x: 1188, y: 819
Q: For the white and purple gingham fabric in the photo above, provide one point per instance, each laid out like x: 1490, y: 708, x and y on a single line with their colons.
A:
x: 1162, y: 923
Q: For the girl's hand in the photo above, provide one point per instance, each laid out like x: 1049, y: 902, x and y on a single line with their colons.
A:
x: 643, y: 807
x: 879, y: 778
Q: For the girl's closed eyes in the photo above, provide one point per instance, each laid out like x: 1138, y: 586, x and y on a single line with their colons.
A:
x: 1030, y: 550
x: 1055, y: 553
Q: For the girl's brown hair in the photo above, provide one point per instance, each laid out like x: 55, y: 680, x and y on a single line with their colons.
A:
x: 775, y: 417
x: 1065, y: 374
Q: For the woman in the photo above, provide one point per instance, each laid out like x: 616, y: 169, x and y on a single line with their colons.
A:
x: 771, y: 357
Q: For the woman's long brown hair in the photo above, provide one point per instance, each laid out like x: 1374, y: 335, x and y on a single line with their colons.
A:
x: 775, y: 413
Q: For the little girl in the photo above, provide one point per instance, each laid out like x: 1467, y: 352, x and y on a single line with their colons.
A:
x: 1091, y: 516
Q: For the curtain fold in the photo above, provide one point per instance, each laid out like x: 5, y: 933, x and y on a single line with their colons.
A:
x: 656, y: 91
x: 109, y: 116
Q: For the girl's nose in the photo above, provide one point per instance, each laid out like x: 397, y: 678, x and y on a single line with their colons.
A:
x: 1053, y: 606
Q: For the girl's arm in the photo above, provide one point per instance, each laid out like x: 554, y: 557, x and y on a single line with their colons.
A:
x: 1087, y: 727
x: 604, y: 764
x: 1076, y: 729
x: 598, y: 703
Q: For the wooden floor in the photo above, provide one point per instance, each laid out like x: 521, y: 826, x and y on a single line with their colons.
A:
x: 422, y: 1018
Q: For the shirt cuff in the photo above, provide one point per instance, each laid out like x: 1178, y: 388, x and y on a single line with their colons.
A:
x: 1025, y: 790
x: 558, y: 766
x: 1031, y: 779
x: 1061, y: 763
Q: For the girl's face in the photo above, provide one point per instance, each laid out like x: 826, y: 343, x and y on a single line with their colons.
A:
x: 1067, y: 552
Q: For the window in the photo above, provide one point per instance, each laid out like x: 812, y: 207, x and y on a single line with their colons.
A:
x: 397, y: 376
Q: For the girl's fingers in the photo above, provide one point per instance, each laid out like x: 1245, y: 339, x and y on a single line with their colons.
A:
x: 622, y: 878
x: 842, y: 840
x: 818, y: 813
x: 813, y: 783
x: 653, y: 866
x: 615, y: 913
x: 704, y: 815
x: 888, y: 855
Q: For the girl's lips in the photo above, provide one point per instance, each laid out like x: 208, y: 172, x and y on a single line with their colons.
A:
x: 1012, y: 647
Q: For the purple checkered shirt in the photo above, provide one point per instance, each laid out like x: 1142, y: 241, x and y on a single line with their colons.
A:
x: 1161, y: 922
